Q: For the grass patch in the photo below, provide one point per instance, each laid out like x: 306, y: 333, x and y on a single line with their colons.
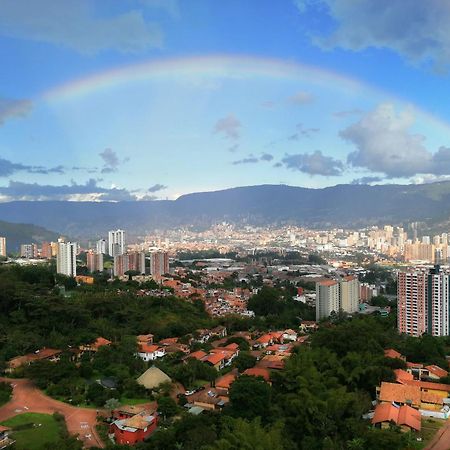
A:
x: 134, y: 401
x: 33, y: 431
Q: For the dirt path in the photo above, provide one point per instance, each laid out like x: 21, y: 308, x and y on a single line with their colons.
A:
x: 441, y: 440
x: 27, y: 398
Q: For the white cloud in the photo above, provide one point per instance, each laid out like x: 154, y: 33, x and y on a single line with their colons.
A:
x: 417, y: 29
x: 74, y: 24
x: 384, y: 143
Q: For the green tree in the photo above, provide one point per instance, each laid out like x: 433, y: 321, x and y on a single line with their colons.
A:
x: 167, y: 406
x: 250, y: 398
x: 244, y: 361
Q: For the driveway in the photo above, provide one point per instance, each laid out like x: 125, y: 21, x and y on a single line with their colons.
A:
x: 27, y: 398
x: 441, y: 440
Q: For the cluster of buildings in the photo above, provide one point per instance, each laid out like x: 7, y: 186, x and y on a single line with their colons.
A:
x: 416, y: 392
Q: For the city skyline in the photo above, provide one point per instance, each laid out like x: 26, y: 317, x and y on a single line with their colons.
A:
x: 291, y: 92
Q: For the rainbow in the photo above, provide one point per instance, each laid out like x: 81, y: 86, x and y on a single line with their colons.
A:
x: 222, y: 67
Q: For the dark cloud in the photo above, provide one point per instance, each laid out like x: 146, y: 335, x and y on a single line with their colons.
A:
x: 249, y: 160
x: 301, y: 98
x: 384, y: 143
x: 305, y: 132
x: 10, y: 108
x: 233, y: 148
x: 228, y: 126
x: 90, y: 191
x: 86, y: 32
x: 156, y: 187
x: 418, y: 30
x: 8, y: 168
x: 366, y: 180
x: 266, y: 157
x: 314, y: 164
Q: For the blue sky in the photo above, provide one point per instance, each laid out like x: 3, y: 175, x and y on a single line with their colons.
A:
x: 141, y: 99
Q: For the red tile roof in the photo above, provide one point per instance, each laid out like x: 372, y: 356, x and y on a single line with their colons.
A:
x: 391, y: 353
x: 225, y: 381
x: 399, y: 393
x: 437, y: 371
x: 214, y: 358
x: 403, y: 415
x: 258, y: 372
x: 199, y: 354
x: 403, y: 375
x: 145, y: 348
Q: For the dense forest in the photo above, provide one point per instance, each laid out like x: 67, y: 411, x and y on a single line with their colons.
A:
x: 316, y: 402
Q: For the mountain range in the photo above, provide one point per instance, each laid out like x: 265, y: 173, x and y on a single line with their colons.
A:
x: 21, y: 233
x: 343, y: 205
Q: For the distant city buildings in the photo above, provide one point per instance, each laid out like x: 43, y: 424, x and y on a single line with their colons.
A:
x: 159, y: 263
x: 29, y: 251
x: 94, y: 261
x: 101, y: 246
x: 423, y: 301
x: 46, y: 250
x: 132, y: 261
x: 333, y: 296
x: 66, y: 260
x: 2, y: 246
x: 116, y: 243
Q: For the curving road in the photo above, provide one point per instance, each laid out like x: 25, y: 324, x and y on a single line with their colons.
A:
x: 441, y: 440
x: 27, y: 398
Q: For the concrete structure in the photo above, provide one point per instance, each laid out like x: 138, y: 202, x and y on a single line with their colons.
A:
x: 159, y: 264
x: 94, y: 261
x: 66, y: 260
x: 423, y: 302
x: 29, y: 251
x: 411, y: 302
x: 2, y: 246
x: 116, y: 242
x: 327, y: 298
x: 101, y: 246
x: 129, y: 261
x: 349, y: 294
x: 335, y: 295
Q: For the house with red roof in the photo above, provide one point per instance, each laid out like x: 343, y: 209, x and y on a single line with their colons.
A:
x: 151, y: 352
x: 96, y: 345
x: 258, y: 372
x: 216, y: 360
x: 223, y: 383
x: 407, y: 418
x: 394, y: 354
x: 264, y: 341
x: 131, y: 430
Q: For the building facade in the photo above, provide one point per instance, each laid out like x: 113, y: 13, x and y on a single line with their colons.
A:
x: 94, y: 261
x: 159, y: 263
x: 66, y: 260
x: 333, y: 296
x: 101, y: 246
x: 116, y: 242
x: 2, y: 246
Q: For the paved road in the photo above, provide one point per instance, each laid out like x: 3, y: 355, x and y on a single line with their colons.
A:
x: 27, y: 398
x: 441, y: 440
